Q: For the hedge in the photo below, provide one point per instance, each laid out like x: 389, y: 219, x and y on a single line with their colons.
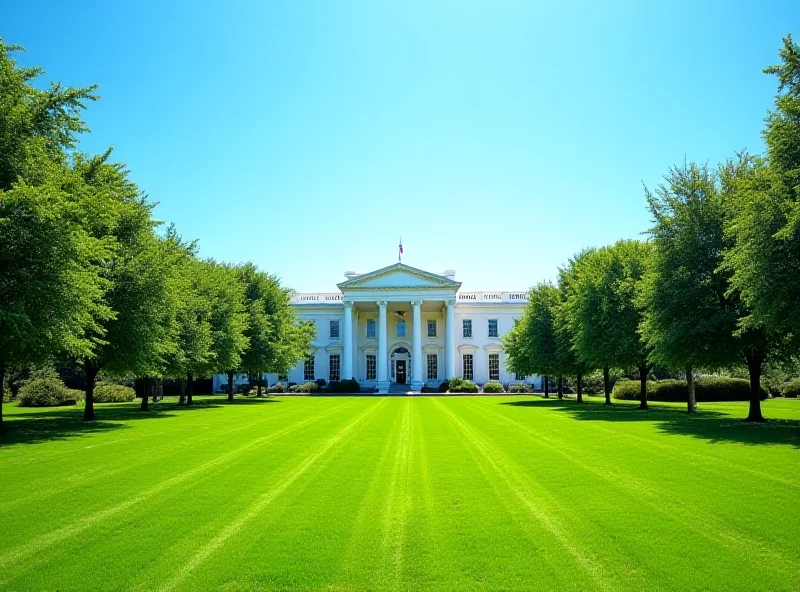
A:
x: 47, y: 390
x: 519, y: 388
x: 493, y: 386
x: 792, y: 389
x: 278, y: 387
x: 343, y: 387
x: 108, y: 392
x: 706, y: 390
x: 459, y: 385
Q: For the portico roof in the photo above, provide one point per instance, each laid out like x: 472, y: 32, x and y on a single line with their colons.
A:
x: 399, y: 275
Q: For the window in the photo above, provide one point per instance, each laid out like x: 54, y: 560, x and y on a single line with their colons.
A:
x: 518, y: 376
x: 466, y: 373
x: 335, y: 367
x: 494, y: 366
x: 467, y: 326
x: 493, y: 328
x: 371, y: 328
x: 431, y: 328
x: 308, y: 368
x: 401, y: 328
x: 283, y: 378
x: 433, y: 367
x: 371, y: 367
x: 334, y: 334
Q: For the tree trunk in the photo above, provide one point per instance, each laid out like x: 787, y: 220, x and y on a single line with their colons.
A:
x: 258, y: 393
x: 189, y: 388
x: 579, y: 387
x: 182, y: 397
x: 755, y: 361
x: 145, y: 391
x: 607, y: 384
x: 560, y: 387
x: 230, y: 385
x: 643, y: 372
x: 2, y: 391
x: 91, y: 373
x: 692, y: 403
x: 546, y: 388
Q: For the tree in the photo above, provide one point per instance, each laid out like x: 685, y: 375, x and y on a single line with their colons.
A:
x: 602, y: 311
x: 276, y: 340
x: 221, y: 285
x: 691, y: 316
x: 765, y: 231
x: 531, y: 346
x: 50, y: 287
x: 134, y: 339
x: 568, y: 360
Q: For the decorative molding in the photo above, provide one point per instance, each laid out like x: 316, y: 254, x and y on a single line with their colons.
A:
x: 416, y: 303
x: 358, y: 281
x: 348, y: 303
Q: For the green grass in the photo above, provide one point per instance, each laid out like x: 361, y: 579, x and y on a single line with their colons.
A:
x: 400, y: 493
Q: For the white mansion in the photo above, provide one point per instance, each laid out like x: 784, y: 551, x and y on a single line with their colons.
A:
x: 400, y: 328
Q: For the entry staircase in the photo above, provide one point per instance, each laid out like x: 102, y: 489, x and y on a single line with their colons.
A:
x: 400, y: 389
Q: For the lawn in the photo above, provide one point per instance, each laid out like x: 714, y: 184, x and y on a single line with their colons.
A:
x: 400, y: 493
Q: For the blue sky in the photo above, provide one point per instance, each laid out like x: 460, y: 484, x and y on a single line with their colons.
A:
x: 497, y: 138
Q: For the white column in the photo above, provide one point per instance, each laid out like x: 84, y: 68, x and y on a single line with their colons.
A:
x: 450, y: 340
x: 355, y: 344
x: 416, y: 347
x: 347, y: 346
x: 383, y: 379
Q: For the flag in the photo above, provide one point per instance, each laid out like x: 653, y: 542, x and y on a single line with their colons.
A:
x: 400, y: 252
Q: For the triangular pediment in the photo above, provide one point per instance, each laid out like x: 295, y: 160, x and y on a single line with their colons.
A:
x: 399, y: 275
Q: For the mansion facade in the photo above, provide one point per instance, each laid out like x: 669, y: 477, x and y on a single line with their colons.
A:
x: 399, y: 328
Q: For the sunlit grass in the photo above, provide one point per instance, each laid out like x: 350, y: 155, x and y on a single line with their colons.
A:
x: 400, y: 493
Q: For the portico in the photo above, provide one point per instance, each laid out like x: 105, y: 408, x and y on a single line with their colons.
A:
x: 387, y: 301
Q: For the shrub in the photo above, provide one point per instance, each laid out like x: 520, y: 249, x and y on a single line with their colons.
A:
x: 706, y: 390
x: 45, y: 389
x: 459, y: 385
x: 108, y: 392
x: 306, y: 387
x: 278, y: 387
x: 493, y: 386
x: 343, y: 386
x: 519, y: 388
x: 444, y: 386
x: 792, y: 389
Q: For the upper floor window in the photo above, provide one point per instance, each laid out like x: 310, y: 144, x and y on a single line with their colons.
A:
x: 493, y: 328
x: 467, y: 326
x: 401, y: 329
x: 334, y: 332
x: 370, y: 327
x: 431, y: 328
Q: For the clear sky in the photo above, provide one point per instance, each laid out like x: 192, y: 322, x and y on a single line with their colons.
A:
x: 497, y: 138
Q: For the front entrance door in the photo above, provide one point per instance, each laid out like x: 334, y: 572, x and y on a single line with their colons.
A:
x: 401, y: 371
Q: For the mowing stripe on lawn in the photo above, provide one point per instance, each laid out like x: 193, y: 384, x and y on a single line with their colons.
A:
x: 511, y: 477
x: 702, y: 523
x: 264, y: 500
x: 44, y: 541
x: 99, y: 472
x: 652, y: 442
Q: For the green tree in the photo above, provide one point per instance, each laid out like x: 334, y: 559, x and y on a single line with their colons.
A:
x: 765, y: 230
x: 276, y: 340
x: 50, y: 287
x: 602, y: 311
x: 135, y: 339
x: 568, y: 360
x: 691, y: 315
x: 531, y: 347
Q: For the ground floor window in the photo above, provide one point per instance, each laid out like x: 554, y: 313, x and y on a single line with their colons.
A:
x: 283, y: 378
x: 308, y: 369
x: 371, y: 367
x: 494, y: 366
x: 519, y: 376
x: 335, y: 368
x: 466, y: 374
x: 433, y: 366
